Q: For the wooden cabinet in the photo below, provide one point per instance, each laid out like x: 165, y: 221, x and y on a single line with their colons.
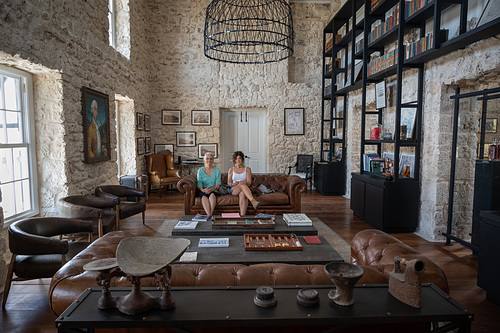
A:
x: 386, y: 205
x: 489, y: 262
x: 329, y: 178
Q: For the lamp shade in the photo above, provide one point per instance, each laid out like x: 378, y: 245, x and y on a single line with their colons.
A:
x: 248, y: 31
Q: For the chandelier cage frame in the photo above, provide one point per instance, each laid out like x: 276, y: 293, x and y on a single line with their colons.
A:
x: 248, y: 31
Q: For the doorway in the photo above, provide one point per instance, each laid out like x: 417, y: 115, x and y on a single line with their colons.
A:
x: 245, y: 130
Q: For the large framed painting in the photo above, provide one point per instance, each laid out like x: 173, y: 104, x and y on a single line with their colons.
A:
x: 96, y: 132
x: 294, y: 121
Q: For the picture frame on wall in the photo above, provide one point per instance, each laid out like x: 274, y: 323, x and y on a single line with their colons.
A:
x: 490, y: 125
x: 139, y: 121
x: 147, y: 145
x: 294, y: 121
x: 96, y: 129
x: 201, y: 117
x: 204, y: 148
x: 171, y: 117
x: 159, y: 148
x: 147, y: 122
x: 380, y: 95
x: 185, y: 139
x: 140, y: 146
x: 408, y: 119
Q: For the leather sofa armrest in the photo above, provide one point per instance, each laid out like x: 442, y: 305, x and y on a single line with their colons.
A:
x: 187, y: 185
x: 294, y: 187
x: 113, y: 197
x: 154, y: 177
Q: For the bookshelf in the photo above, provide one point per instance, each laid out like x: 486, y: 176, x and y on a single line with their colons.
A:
x: 372, y: 40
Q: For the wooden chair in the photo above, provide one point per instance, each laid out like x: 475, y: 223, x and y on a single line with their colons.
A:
x: 303, y: 168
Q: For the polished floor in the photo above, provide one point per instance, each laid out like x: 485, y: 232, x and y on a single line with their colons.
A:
x: 27, y: 308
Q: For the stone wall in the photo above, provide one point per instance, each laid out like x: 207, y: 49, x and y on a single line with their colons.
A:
x: 184, y: 79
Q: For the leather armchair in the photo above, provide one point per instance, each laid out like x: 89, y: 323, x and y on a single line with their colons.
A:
x: 36, y: 253
x: 124, y: 198
x: 161, y: 171
x: 101, y: 211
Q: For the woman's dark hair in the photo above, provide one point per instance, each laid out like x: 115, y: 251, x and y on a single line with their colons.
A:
x: 240, y: 154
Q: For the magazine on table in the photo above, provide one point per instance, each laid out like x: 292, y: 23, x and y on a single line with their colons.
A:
x: 189, y: 256
x: 201, y: 218
x: 186, y: 225
x: 214, y: 242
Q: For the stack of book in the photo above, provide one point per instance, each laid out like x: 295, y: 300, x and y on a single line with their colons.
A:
x: 373, y: 163
x: 413, y: 6
x: 201, y: 218
x: 380, y: 28
x: 383, y: 62
x: 297, y: 220
x: 421, y: 45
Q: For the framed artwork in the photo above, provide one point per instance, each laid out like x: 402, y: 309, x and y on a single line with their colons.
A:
x: 294, y: 121
x: 139, y: 117
x: 160, y: 148
x: 140, y: 146
x: 201, y: 117
x: 185, y: 139
x: 380, y: 95
x: 147, y: 145
x: 95, y: 110
x: 204, y: 148
x: 147, y: 122
x: 408, y: 119
x: 490, y: 125
x: 171, y: 117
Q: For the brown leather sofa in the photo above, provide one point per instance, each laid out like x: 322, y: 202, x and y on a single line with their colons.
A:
x: 71, y: 280
x: 161, y: 171
x: 286, y: 197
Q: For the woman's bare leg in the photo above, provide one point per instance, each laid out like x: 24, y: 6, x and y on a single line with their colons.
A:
x: 243, y: 204
x: 213, y: 202
x: 206, y: 205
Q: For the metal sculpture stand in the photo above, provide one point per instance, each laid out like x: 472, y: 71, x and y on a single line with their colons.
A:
x: 406, y: 285
x: 137, y: 301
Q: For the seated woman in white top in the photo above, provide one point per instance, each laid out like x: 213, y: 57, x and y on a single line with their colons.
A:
x: 239, y: 178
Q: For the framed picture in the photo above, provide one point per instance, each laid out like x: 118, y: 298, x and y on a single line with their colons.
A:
x: 171, y: 117
x: 147, y: 122
x: 140, y: 146
x: 490, y: 125
x: 408, y: 119
x: 95, y: 110
x: 204, y: 148
x: 294, y: 121
x: 139, y: 121
x: 161, y: 148
x: 380, y: 95
x: 185, y: 139
x: 147, y: 145
x: 201, y: 117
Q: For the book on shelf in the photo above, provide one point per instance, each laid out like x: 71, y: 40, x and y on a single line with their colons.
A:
x: 297, y: 219
x: 229, y: 215
x: 377, y: 165
x: 186, y: 225
x: 189, y: 256
x: 214, y: 242
x: 366, y: 160
x: 201, y: 218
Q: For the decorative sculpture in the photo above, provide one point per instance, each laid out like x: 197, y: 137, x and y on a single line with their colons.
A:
x: 138, y: 257
x: 344, y: 276
x: 406, y: 285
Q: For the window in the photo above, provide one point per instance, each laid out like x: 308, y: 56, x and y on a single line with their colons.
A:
x: 112, y: 26
x: 18, y: 180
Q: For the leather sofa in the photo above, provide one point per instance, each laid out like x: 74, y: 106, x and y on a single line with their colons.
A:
x: 71, y: 280
x: 161, y: 171
x: 286, y: 197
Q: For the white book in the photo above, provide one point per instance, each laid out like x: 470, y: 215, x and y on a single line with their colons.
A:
x: 296, y: 218
x: 214, y: 242
x: 189, y: 256
x: 186, y: 225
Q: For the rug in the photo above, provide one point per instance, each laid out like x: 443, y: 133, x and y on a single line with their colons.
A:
x: 338, y: 243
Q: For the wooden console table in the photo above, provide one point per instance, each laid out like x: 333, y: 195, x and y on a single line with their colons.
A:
x: 234, y: 307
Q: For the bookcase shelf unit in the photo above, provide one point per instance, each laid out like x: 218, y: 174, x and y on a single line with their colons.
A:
x: 390, y: 203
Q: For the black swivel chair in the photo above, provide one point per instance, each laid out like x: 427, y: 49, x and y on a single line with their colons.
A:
x: 36, y: 253
x: 303, y: 168
x: 129, y: 200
